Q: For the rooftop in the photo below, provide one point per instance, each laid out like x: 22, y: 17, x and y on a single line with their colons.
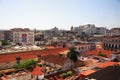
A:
x: 32, y: 54
x: 85, y: 73
x: 37, y: 71
x: 56, y: 76
x: 96, y: 52
x: 15, y: 73
x: 105, y: 64
x: 56, y: 59
x: 108, y: 73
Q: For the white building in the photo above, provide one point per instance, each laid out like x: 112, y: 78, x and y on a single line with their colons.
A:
x: 81, y: 48
x: 115, y: 31
x: 90, y: 29
x: 101, y: 30
x: 22, y: 36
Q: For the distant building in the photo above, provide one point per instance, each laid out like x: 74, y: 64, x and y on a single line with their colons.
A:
x: 7, y: 34
x: 1, y: 35
x: 88, y: 29
x: 101, y: 31
x: 39, y: 38
x: 115, y: 31
x: 22, y: 36
x: 54, y: 29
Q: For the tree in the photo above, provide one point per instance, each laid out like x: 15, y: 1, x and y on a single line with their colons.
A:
x: 63, y: 75
x: 101, y: 54
x: 72, y: 55
x: 69, y: 73
x: 27, y: 64
x: 4, y: 43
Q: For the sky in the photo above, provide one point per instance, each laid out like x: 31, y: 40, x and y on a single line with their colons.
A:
x: 46, y: 14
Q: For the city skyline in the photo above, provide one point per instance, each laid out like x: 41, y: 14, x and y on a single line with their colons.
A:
x: 62, y: 14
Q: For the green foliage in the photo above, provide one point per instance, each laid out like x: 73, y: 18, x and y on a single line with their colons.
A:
x: 18, y: 66
x: 73, y: 54
x: 27, y: 64
x: 4, y: 43
x: 69, y: 73
x: 63, y: 75
x: 101, y: 54
x: 40, y: 65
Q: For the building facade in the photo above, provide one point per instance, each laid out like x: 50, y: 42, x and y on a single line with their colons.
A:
x: 88, y: 29
x: 81, y: 48
x: 101, y: 31
x: 115, y: 31
x: 111, y: 43
x: 7, y: 34
x: 1, y: 35
x: 22, y: 36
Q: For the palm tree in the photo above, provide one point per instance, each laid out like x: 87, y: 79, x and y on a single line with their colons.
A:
x: 72, y: 54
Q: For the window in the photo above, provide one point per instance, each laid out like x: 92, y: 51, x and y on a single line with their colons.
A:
x: 82, y: 47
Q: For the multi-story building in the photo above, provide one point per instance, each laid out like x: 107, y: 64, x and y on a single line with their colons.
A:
x: 22, y: 36
x: 88, y: 29
x: 1, y: 35
x: 7, y: 34
x: 111, y: 43
x: 101, y: 31
x: 39, y: 38
x: 115, y: 31
x: 83, y: 47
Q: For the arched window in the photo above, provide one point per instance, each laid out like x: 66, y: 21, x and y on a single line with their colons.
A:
x: 112, y: 45
x: 116, y: 46
x: 104, y: 44
x: 109, y: 45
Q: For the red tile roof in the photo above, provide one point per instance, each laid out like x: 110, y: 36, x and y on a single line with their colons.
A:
x: 56, y: 59
x: 85, y: 73
x: 28, y: 55
x: 3, y: 78
x: 96, y: 52
x: 105, y: 64
x: 37, y: 71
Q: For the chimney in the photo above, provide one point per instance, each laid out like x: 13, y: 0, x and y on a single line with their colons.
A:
x: 18, y: 59
x: 39, y: 57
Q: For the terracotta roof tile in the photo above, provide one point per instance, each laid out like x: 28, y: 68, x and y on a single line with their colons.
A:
x: 105, y: 64
x: 56, y: 59
x: 32, y: 54
x: 37, y: 71
x: 85, y: 73
x: 96, y: 52
x: 3, y: 78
